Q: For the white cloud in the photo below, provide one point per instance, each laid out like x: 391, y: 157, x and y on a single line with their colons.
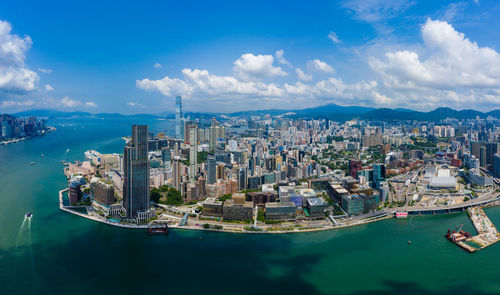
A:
x: 49, y: 88
x: 279, y: 57
x: 333, y: 36
x: 199, y: 85
x: 134, y: 104
x: 377, y: 10
x: 69, y: 103
x: 303, y: 76
x: 254, y: 67
x: 15, y: 103
x: 15, y: 76
x: 45, y: 71
x: 451, y: 61
x: 320, y: 66
x: 157, y: 66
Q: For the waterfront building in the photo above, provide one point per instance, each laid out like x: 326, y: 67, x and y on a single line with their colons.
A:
x: 234, y: 211
x: 102, y: 192
x: 282, y: 211
x: 316, y: 207
x: 212, y: 207
x: 136, y: 174
x: 75, y: 192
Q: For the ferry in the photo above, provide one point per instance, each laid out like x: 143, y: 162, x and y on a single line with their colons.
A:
x: 157, y: 228
x: 32, y: 163
x: 28, y: 215
x: 401, y: 214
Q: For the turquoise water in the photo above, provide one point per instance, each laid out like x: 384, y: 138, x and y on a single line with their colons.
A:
x: 57, y: 252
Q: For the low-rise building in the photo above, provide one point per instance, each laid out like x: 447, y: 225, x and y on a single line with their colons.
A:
x: 233, y: 211
x: 283, y: 211
x: 212, y: 207
x: 316, y: 207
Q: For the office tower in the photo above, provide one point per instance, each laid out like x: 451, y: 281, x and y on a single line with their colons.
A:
x: 242, y: 179
x: 193, y: 150
x: 482, y: 156
x: 177, y: 172
x: 165, y: 155
x: 212, y: 136
x: 178, y: 118
x: 219, y: 174
x: 491, y: 150
x: 211, y: 172
x: 496, y: 164
x: 378, y: 172
x: 136, y: 173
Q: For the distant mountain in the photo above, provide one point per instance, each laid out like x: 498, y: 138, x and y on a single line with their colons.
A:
x: 46, y: 113
x: 435, y: 115
x: 331, y: 111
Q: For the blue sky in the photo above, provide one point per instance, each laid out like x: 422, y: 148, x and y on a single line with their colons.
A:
x: 134, y: 57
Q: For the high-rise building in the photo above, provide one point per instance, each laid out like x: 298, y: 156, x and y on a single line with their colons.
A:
x: 378, y: 172
x: 193, y: 150
x: 242, y: 179
x: 178, y: 118
x: 211, y: 171
x: 213, y: 135
x: 136, y: 174
x: 496, y: 164
x: 354, y: 167
x: 177, y: 172
x: 482, y: 156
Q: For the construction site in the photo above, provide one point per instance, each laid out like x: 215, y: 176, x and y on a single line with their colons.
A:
x: 487, y: 234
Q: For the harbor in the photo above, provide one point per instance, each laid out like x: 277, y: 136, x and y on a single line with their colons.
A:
x: 487, y: 233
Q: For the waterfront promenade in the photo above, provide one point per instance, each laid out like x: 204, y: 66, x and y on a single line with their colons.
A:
x: 304, y: 226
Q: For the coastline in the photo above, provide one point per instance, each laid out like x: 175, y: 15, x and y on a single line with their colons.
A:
x: 387, y: 215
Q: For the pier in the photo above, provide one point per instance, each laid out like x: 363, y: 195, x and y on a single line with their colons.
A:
x: 487, y: 233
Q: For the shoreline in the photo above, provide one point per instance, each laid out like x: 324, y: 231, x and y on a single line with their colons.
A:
x: 387, y: 215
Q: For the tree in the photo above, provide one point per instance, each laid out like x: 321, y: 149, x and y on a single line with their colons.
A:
x: 155, y: 195
x: 174, y: 197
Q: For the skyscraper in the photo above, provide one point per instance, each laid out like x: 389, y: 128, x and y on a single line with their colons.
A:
x: 177, y: 172
x: 178, y: 118
x: 211, y: 173
x: 136, y: 174
x: 193, y: 150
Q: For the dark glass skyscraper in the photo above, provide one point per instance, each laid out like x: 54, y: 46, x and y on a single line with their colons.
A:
x: 211, y: 172
x: 136, y: 172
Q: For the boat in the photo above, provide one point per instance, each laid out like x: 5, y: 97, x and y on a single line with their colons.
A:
x: 457, y: 236
x: 42, y: 155
x: 28, y: 215
x: 157, y: 228
x: 32, y: 163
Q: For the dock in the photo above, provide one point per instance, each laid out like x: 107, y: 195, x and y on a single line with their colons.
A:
x: 487, y: 233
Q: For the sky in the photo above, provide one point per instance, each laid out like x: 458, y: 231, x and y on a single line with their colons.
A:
x: 224, y: 56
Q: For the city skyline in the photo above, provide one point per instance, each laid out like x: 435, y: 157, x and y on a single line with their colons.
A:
x: 366, y: 53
